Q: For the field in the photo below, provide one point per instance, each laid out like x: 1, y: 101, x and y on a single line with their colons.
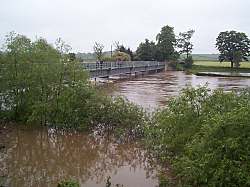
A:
x: 220, y: 64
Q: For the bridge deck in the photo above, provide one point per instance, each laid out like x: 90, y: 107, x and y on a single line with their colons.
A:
x: 107, y: 69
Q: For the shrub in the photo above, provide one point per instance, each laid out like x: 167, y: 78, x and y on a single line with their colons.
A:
x: 121, y: 56
x: 206, y: 137
x: 122, y: 117
x: 68, y: 183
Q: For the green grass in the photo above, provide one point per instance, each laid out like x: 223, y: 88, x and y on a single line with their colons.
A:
x: 215, y: 66
x: 220, y: 64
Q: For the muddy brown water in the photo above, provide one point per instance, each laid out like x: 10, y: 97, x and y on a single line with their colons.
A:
x: 153, y: 91
x: 42, y: 157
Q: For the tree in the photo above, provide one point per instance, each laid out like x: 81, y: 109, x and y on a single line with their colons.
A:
x: 166, y: 43
x: 146, y: 51
x: 121, y: 48
x: 98, y: 50
x: 17, y: 48
x: 184, y: 42
x: 233, y: 46
x: 43, y: 52
x: 63, y: 48
x: 121, y: 56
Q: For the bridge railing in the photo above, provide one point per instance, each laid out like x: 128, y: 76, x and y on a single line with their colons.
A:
x: 120, y: 64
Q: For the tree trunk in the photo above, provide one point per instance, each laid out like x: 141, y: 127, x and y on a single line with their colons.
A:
x: 232, y: 64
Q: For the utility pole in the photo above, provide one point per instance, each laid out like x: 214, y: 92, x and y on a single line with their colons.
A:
x: 111, y: 51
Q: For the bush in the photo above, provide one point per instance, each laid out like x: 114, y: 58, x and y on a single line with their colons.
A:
x: 56, y: 92
x: 122, y: 117
x: 206, y: 137
x: 121, y: 56
x: 68, y: 183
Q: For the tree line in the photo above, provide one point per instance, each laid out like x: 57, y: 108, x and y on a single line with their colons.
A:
x: 168, y: 47
x: 233, y: 46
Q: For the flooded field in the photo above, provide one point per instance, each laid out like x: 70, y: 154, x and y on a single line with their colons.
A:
x: 43, y: 157
x: 152, y: 91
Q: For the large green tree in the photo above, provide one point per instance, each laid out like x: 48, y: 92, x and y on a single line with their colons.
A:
x: 166, y: 43
x: 184, y: 43
x: 233, y: 47
x: 146, y: 51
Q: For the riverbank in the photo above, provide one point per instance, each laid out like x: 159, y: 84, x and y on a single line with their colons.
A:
x: 224, y: 74
x: 219, y: 69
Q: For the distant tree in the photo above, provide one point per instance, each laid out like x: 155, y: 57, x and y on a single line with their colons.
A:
x: 98, y: 50
x: 184, y: 43
x: 121, y: 56
x: 233, y: 46
x: 166, y: 43
x: 146, y: 51
x: 121, y: 48
x: 130, y: 52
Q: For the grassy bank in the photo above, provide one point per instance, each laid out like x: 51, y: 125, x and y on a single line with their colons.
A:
x: 220, y: 64
x: 215, y: 66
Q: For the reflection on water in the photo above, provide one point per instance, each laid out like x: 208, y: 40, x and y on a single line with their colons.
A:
x: 152, y: 91
x: 43, y: 157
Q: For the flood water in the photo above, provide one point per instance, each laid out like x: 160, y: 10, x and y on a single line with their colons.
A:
x: 43, y: 157
x: 152, y: 91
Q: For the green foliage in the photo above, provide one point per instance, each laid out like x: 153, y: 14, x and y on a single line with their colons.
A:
x: 57, y: 92
x: 166, y: 43
x: 42, y: 52
x: 122, y: 117
x: 121, y: 56
x: 68, y: 183
x: 184, y: 43
x: 233, y: 46
x: 164, y: 181
x: 206, y: 136
x: 121, y: 48
x: 146, y: 51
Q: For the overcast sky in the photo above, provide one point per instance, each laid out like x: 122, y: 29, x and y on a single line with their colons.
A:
x: 82, y: 22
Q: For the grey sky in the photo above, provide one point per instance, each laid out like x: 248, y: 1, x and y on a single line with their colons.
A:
x: 82, y: 22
